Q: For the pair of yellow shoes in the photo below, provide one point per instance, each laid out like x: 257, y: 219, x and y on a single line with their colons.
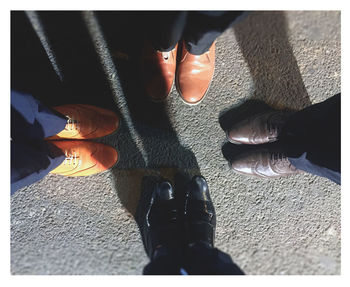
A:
x: 85, y: 157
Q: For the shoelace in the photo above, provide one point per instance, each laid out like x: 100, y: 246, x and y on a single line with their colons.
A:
x: 72, y: 124
x: 275, y: 157
x: 279, y: 160
x: 274, y: 127
x: 71, y: 159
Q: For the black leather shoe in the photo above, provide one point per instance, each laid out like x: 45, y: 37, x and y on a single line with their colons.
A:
x: 200, y: 218
x: 162, y: 227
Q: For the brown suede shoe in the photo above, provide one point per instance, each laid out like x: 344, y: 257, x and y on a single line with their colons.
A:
x: 194, y: 75
x: 158, y: 72
x: 258, y: 129
x: 264, y: 164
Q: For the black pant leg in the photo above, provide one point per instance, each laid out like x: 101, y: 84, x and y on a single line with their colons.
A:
x: 201, y: 259
x: 165, y: 262
x: 312, y: 139
x: 203, y: 27
x: 166, y: 28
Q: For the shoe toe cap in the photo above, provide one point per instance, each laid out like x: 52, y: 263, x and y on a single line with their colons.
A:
x: 238, y: 134
x: 159, y: 88
x: 199, y: 189
x: 112, y: 122
x: 106, y: 157
x: 165, y: 190
x: 241, y: 166
x: 192, y: 94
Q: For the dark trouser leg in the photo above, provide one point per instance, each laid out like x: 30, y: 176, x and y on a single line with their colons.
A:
x: 30, y: 162
x: 201, y: 259
x: 30, y: 119
x: 203, y: 27
x: 165, y: 262
x: 166, y: 29
x: 312, y: 139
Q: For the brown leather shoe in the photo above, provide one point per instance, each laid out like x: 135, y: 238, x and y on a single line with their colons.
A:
x: 264, y: 164
x: 86, y: 122
x: 194, y: 75
x: 158, y: 72
x: 258, y: 129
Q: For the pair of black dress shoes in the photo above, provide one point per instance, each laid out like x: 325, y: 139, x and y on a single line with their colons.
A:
x: 176, y: 221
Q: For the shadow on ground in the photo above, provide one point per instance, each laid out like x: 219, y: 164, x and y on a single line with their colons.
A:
x: 55, y: 59
x: 263, y: 41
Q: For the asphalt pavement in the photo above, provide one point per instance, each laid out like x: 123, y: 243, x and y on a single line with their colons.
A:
x: 288, y: 60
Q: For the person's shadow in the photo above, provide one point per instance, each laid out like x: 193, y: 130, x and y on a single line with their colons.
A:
x: 93, y: 58
x: 165, y: 155
x: 263, y: 41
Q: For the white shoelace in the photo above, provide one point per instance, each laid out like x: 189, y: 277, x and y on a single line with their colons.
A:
x: 72, y: 124
x: 71, y: 159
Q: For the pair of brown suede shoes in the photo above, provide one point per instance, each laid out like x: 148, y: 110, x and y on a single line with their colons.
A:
x: 265, y: 161
x: 193, y: 73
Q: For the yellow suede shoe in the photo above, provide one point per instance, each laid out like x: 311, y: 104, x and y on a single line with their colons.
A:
x: 85, y: 158
x: 86, y: 122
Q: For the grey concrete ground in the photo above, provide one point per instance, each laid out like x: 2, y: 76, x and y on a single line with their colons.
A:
x: 283, y: 226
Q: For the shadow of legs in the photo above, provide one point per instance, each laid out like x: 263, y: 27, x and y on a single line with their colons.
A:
x: 236, y: 114
x: 263, y: 39
x: 124, y: 32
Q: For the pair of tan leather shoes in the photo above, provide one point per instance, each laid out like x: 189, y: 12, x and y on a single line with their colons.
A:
x: 193, y: 73
x: 84, y: 157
